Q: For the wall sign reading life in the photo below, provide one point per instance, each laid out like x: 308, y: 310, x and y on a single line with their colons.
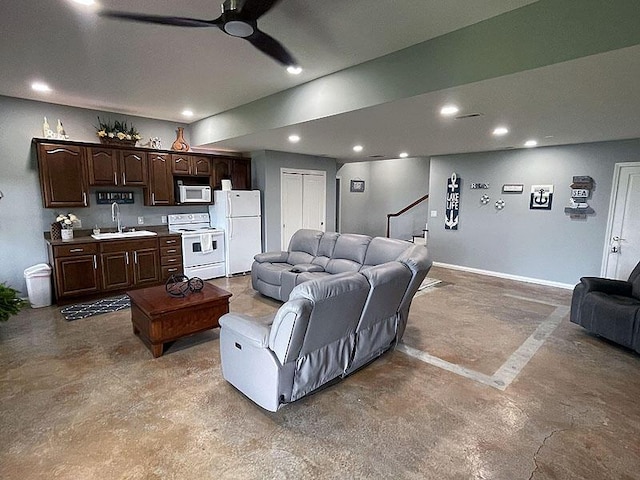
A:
x: 453, y: 203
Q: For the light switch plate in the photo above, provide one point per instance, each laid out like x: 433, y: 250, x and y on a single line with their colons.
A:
x: 163, y: 219
x: 140, y: 220
x: 434, y: 213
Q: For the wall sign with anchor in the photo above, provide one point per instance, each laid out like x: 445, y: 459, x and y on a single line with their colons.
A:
x: 452, y: 203
x: 541, y: 197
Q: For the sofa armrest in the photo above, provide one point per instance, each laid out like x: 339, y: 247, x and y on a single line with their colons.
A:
x: 606, y: 285
x: 307, y: 267
x: 255, y: 330
x: 273, y: 257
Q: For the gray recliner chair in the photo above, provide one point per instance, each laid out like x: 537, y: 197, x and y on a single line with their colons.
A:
x: 309, y: 341
x: 609, y: 308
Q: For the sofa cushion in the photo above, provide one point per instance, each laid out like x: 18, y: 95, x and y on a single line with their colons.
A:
x: 611, y: 316
x: 348, y: 254
x: 299, y: 258
x: 382, y: 250
x: 306, y: 241
x: 272, y: 272
x: 325, y: 249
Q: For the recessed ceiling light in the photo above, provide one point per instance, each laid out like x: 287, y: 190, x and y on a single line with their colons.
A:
x: 404, y: 155
x: 358, y: 148
x: 40, y: 87
x: 449, y: 110
x: 85, y: 2
x: 294, y: 138
x: 499, y: 131
x: 294, y: 69
x: 187, y: 113
x: 530, y: 143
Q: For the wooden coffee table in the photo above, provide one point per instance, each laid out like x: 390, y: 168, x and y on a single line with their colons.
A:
x: 159, y: 318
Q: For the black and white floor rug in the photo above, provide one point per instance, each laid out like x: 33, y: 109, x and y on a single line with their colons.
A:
x: 105, y: 305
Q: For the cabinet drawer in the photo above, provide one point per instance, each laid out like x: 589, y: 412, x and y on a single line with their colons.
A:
x: 171, y: 260
x: 75, y: 249
x: 171, y: 270
x: 171, y: 251
x: 171, y: 241
x: 127, y: 245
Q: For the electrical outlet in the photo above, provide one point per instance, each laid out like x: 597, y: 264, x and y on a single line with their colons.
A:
x: 164, y: 219
x: 434, y: 213
x: 140, y: 220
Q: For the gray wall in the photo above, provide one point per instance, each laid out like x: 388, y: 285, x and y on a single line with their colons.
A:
x: 22, y: 216
x: 541, y: 244
x: 390, y: 185
x: 265, y: 171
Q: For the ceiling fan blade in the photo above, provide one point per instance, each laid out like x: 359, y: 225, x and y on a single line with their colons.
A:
x: 162, y: 20
x: 254, y: 9
x: 269, y: 45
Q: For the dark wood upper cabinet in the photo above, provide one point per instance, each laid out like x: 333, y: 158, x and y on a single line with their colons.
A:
x: 160, y: 186
x: 221, y: 171
x: 108, y: 166
x: 67, y: 169
x: 241, y: 173
x: 190, y: 165
x: 133, y: 168
x: 62, y: 175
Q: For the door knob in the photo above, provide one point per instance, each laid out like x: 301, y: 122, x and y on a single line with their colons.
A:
x: 617, y: 239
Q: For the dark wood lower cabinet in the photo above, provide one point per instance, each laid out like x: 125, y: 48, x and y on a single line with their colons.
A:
x: 95, y: 269
x: 130, y: 263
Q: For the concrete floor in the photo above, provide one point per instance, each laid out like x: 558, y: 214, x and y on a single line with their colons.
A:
x: 85, y: 399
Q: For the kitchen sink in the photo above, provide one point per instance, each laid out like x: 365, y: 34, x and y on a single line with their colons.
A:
x: 135, y: 233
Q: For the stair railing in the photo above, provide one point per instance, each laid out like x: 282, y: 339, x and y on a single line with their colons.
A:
x: 405, y: 209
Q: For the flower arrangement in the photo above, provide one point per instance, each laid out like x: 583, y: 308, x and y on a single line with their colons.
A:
x: 66, y: 220
x: 117, y: 131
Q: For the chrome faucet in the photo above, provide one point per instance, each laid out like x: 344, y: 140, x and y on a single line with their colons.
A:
x: 115, y: 215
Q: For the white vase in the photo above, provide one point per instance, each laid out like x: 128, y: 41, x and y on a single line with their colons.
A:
x: 67, y: 234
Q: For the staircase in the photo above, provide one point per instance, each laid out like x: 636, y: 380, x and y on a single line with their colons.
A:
x: 420, y: 238
x: 417, y: 238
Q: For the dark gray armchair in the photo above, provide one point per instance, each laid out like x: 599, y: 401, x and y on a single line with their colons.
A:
x: 609, y: 308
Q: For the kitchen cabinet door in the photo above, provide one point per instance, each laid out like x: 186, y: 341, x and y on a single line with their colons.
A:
x: 76, y: 275
x: 103, y: 166
x: 133, y: 168
x: 116, y: 272
x: 201, y: 166
x: 221, y: 171
x: 62, y: 175
x: 160, y: 187
x: 146, y: 267
x: 241, y: 173
x: 180, y: 164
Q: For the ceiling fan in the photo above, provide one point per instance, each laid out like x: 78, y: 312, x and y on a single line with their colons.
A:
x: 236, y: 21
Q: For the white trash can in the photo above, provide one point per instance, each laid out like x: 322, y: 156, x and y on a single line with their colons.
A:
x: 38, y: 280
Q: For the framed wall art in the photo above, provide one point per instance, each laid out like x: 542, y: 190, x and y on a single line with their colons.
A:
x: 357, y: 186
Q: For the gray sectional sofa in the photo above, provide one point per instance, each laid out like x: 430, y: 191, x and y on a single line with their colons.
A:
x: 313, y: 254
x: 336, y: 320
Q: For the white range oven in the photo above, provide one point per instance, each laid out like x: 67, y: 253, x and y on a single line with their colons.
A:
x: 202, y: 245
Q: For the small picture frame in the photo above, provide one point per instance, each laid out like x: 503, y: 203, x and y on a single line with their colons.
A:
x: 357, y: 186
x: 512, y: 188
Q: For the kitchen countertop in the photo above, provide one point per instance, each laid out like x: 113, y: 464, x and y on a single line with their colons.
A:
x: 84, y: 235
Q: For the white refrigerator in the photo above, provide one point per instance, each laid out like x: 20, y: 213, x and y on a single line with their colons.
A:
x: 238, y: 213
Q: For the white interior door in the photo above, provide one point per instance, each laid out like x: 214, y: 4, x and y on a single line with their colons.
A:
x: 291, y: 206
x: 622, y: 250
x: 303, y: 202
x: 314, y: 204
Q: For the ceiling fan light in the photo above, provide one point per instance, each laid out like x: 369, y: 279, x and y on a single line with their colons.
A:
x: 237, y: 28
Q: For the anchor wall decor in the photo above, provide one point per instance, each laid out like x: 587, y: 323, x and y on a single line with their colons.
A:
x: 452, y: 203
x: 541, y: 197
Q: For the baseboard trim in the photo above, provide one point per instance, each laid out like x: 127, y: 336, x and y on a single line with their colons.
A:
x: 508, y: 276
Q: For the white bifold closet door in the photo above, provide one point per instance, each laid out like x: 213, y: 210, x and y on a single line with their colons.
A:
x: 303, y: 202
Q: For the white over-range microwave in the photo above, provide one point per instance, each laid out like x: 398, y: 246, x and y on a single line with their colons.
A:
x: 194, y: 194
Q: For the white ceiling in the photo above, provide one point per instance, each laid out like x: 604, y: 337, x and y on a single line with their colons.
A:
x: 157, y: 71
